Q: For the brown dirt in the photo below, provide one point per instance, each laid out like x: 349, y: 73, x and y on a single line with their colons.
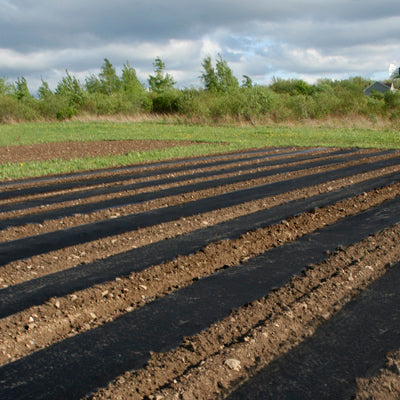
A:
x: 139, y: 168
x: 197, y: 167
x: 210, y: 364
x: 385, y: 385
x: 71, y: 150
x: 110, y: 300
x: 22, y: 270
x: 61, y: 223
x: 256, y: 334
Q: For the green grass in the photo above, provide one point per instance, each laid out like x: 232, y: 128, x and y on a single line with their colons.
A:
x: 213, y: 139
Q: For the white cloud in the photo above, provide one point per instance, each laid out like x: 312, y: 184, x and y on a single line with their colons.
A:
x: 293, y: 38
x: 209, y: 48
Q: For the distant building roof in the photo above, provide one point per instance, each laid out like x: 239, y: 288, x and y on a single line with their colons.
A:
x: 377, y: 87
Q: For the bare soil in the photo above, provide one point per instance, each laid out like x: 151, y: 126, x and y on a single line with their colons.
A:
x: 212, y: 363
x: 71, y: 150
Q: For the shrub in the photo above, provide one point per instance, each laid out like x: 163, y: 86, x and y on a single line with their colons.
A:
x: 12, y: 109
x: 392, y: 100
x: 194, y: 103
x: 166, y: 102
x: 291, y: 86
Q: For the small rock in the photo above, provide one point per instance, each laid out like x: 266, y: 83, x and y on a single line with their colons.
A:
x: 73, y: 297
x: 93, y: 315
x: 144, y: 287
x: 233, y: 364
x: 57, y: 304
x: 105, y: 293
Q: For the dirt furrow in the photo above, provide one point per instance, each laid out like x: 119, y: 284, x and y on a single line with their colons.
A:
x: 122, y: 183
x: 40, y: 326
x: 50, y: 183
x: 68, y: 257
x: 383, y: 386
x: 123, y: 192
x: 187, y: 169
x: 196, y: 294
x: 208, y: 365
x: 189, y: 310
x: 13, y: 233
x: 61, y: 201
x: 47, y: 225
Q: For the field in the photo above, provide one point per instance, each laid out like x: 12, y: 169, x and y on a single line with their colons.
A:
x: 236, y: 263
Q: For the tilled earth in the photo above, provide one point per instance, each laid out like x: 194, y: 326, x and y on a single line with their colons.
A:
x: 71, y: 150
x: 270, y: 273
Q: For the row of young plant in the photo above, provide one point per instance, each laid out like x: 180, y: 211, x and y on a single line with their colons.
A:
x: 221, y: 98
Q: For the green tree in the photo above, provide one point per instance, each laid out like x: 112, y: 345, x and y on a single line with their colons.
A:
x: 247, y: 82
x: 2, y: 86
x: 161, y: 81
x: 44, y: 91
x: 21, y: 89
x: 227, y: 82
x: 219, y: 79
x: 130, y: 82
x: 71, y: 94
x: 6, y: 88
x: 93, y: 84
x: 109, y: 81
x: 209, y: 77
x: 70, y: 88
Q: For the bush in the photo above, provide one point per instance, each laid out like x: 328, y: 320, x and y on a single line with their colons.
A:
x: 166, y: 102
x: 218, y: 107
x: 12, y: 109
x: 194, y: 103
x: 257, y: 102
x: 392, y: 100
x: 50, y: 108
x: 222, y: 99
x: 293, y: 87
x: 66, y: 112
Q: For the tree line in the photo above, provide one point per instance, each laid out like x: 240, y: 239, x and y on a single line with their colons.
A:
x: 222, y: 98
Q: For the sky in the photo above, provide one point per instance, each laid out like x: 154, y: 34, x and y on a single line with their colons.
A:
x: 308, y: 39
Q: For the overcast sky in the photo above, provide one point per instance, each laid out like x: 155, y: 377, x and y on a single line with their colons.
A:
x: 306, y: 39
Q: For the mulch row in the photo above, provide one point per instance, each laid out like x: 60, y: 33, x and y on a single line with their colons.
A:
x: 122, y: 315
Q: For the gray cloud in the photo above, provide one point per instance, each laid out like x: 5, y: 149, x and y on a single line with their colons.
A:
x: 291, y: 37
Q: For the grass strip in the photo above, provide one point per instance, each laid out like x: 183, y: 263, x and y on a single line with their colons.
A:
x: 212, y: 139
